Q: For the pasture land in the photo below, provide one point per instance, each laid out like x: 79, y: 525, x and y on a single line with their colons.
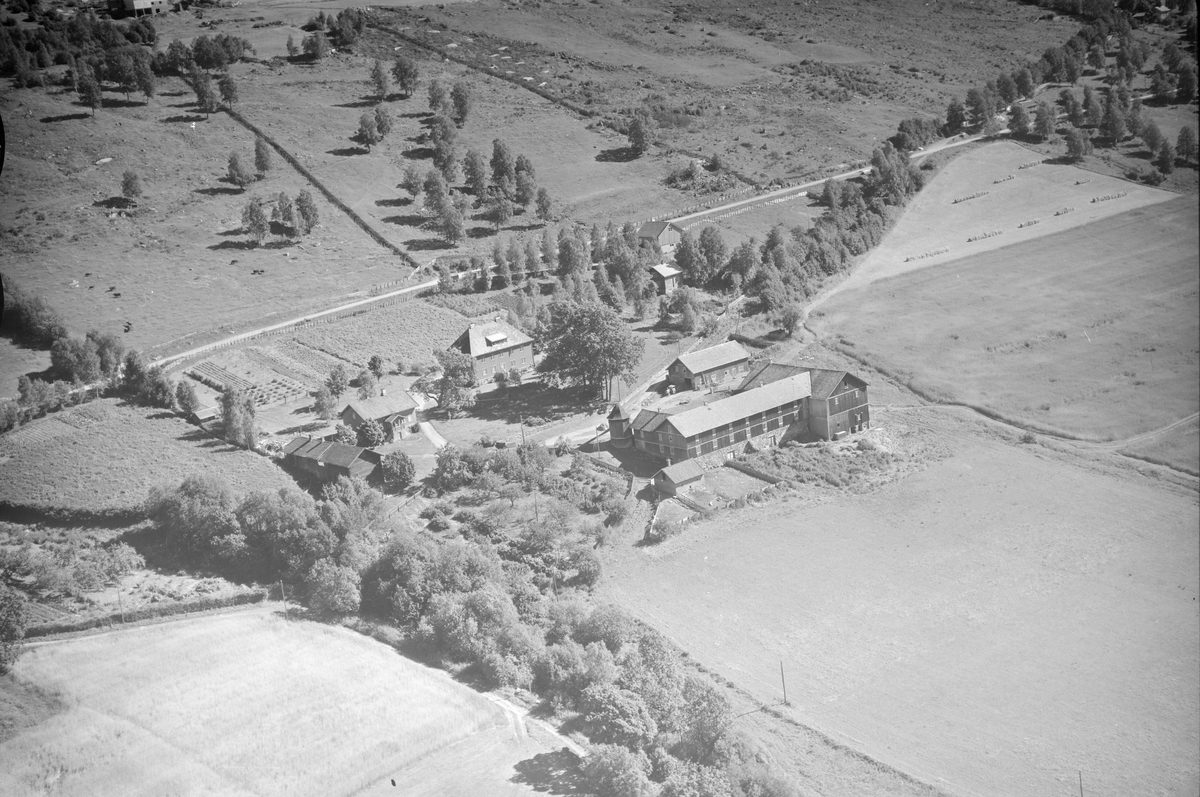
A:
x: 178, y: 260
x: 1179, y: 447
x: 933, y: 221
x: 757, y: 221
x: 107, y: 455
x: 409, y: 331
x: 16, y: 359
x: 248, y: 703
x: 991, y: 624
x: 1091, y: 331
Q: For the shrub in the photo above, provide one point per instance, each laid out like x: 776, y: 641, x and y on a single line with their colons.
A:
x: 335, y: 589
x: 607, y: 624
x: 616, y: 772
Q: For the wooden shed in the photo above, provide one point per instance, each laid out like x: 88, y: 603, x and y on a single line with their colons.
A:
x: 670, y: 479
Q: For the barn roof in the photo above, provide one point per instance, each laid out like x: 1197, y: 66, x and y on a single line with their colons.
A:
x: 490, y: 336
x: 825, y: 381
x: 296, y: 444
x: 665, y: 271
x: 323, y: 451
x: 649, y: 420
x: 376, y: 407
x: 682, y: 472
x: 767, y: 372
x: 704, y: 360
x: 652, y: 229
x: 341, y: 454
x: 743, y: 405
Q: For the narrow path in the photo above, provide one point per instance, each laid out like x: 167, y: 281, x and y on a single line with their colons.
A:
x: 432, y: 434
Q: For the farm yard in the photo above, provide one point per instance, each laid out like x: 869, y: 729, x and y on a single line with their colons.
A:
x: 243, y: 703
x: 1100, y: 346
x: 107, y: 455
x: 993, y: 623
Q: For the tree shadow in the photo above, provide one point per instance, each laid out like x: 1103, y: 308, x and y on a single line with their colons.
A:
x: 555, y: 772
x: 286, y: 243
x: 481, y: 232
x: 114, y: 203
x: 183, y: 117
x: 361, y: 103
x: 172, y: 93
x: 409, y: 220
x: 416, y: 115
x: 617, y: 155
x: 217, y: 191
x: 233, y: 231
x: 398, y: 202
x: 125, y: 103
x: 533, y: 403
x: 67, y: 117
x: 537, y: 225
x: 427, y: 244
x: 418, y: 153
x: 345, y: 152
x: 280, y: 229
x: 235, y: 245
x: 188, y: 104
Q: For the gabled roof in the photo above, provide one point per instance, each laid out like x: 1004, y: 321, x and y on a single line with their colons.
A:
x: 296, y: 444
x: 743, y: 405
x: 618, y: 413
x: 376, y: 407
x: 665, y: 271
x: 341, y: 454
x: 653, y: 229
x: 648, y: 420
x: 474, y: 340
x: 765, y: 373
x: 825, y: 381
x: 704, y: 360
x: 682, y: 472
x: 338, y: 454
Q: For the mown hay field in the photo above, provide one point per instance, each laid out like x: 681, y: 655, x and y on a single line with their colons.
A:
x: 1091, y: 331
x: 107, y: 455
x: 249, y: 703
x: 933, y: 221
x: 991, y: 624
x: 409, y: 331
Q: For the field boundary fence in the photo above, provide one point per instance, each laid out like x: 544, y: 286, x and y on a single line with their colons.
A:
x: 145, y: 613
x: 749, y: 470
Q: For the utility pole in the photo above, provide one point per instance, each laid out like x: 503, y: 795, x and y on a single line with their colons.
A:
x: 120, y: 603
x: 283, y: 597
x: 784, y: 682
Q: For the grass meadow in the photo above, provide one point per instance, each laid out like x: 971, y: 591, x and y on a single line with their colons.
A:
x: 409, y: 331
x: 1091, y: 331
x: 107, y: 455
x: 249, y: 703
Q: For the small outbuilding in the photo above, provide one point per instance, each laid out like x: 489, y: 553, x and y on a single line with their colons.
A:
x: 328, y: 460
x: 670, y: 479
x: 395, y: 411
x: 662, y: 233
x: 139, y: 8
x: 712, y: 366
x: 665, y: 277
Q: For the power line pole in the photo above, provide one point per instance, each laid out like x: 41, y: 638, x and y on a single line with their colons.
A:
x: 784, y: 682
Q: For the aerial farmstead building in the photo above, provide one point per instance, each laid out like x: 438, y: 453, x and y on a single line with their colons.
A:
x: 665, y: 277
x: 670, y: 479
x: 711, y: 366
x: 328, y: 461
x: 395, y: 411
x: 663, y: 233
x: 497, y: 347
x: 776, y: 400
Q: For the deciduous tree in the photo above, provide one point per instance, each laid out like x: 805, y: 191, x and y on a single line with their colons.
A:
x: 262, y: 156
x: 1019, y: 124
x: 462, y: 100
x: 453, y: 385
x: 368, y: 131
x: 1045, y: 121
x: 131, y: 185
x: 185, y: 397
x: 338, y: 380
x: 1152, y: 137
x: 641, y: 132
x: 545, y: 205
x: 406, y: 73
x: 316, y: 45
x: 1185, y: 145
x: 1165, y: 161
x: 587, y: 345
x: 398, y: 471
x: 383, y: 121
x: 306, y: 208
x: 1079, y: 145
x: 254, y: 220
x: 439, y: 97
x: 475, y: 170
x: 89, y: 93
x: 503, y: 166
x: 1112, y: 126
x: 379, y: 80
x: 238, y: 174
x: 371, y: 434
x: 229, y: 89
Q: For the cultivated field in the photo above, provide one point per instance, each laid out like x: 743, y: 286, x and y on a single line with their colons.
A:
x: 992, y: 624
x: 408, y: 331
x: 933, y: 221
x: 757, y: 221
x: 1091, y: 331
x: 248, y: 703
x: 107, y: 455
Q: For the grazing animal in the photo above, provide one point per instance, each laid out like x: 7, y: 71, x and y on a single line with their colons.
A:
x: 116, y: 296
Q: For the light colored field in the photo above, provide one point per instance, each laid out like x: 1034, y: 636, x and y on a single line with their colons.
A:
x: 180, y: 264
x: 1179, y: 447
x: 1092, y: 331
x: 248, y: 703
x: 758, y: 221
x: 105, y: 455
x: 991, y: 625
x: 409, y: 331
x: 16, y: 360
x: 932, y: 222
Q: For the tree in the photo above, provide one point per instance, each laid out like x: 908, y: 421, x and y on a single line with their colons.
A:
x: 450, y: 223
x: 712, y: 249
x: 379, y: 80
x: 375, y: 366
x: 89, y: 93
x: 262, y: 156
x: 292, y: 49
x: 284, y: 212
x: 462, y: 101
x: 453, y: 385
x: 1152, y: 137
x: 345, y: 435
x: 475, y: 169
x: 444, y: 136
x: 545, y: 205
x: 1093, y: 112
x: 789, y: 318
x: 368, y: 131
x: 229, y: 90
x: 306, y: 207
x: 324, y: 402
x: 1185, y: 145
x: 316, y: 45
x: 439, y: 97
x: 527, y: 189
x: 237, y: 418
x: 14, y: 616
x: 980, y: 106
x: 525, y: 166
x: 587, y: 345
x: 956, y: 117
x: 411, y: 181
x: 1078, y: 144
x: 238, y: 174
x: 1024, y: 81
x: 131, y: 185
x: 614, y: 771
x: 186, y: 398
x: 1020, y: 122
x: 398, y: 471
x: 1185, y: 90
x: 1006, y: 87
x: 254, y: 220
x: 1112, y: 126
x: 641, y: 132
x: 1166, y: 158
x: 338, y: 380
x: 383, y: 121
x: 371, y: 434
x: 504, y: 168
x: 144, y: 77
x: 1133, y: 119
x: 1045, y: 121
x: 406, y: 73
x: 502, y: 211
x: 334, y: 588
